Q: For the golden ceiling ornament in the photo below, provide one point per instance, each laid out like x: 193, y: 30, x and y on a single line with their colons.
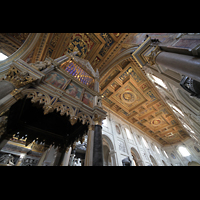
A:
x: 156, y: 122
x: 128, y: 97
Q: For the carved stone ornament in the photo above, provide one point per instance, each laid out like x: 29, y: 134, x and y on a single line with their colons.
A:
x: 48, y: 109
x: 98, y: 119
x: 40, y: 65
x: 152, y: 56
x: 43, y: 98
x: 17, y: 78
x: 17, y: 94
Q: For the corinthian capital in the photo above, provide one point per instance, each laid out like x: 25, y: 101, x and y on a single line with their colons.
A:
x: 17, y: 78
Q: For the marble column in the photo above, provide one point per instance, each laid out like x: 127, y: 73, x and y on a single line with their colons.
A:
x: 89, y: 150
x: 183, y: 64
x: 5, y: 88
x: 97, y: 148
x: 66, y: 157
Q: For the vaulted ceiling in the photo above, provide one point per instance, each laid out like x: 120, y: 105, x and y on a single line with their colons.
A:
x: 123, y: 85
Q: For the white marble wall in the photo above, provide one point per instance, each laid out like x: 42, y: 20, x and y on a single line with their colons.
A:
x: 122, y: 144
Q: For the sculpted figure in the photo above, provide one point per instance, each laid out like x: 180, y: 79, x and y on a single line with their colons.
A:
x: 40, y: 65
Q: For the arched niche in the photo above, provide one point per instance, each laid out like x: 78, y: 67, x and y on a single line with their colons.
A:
x: 153, y: 161
x: 106, y: 156
x: 108, y: 151
x: 136, y: 157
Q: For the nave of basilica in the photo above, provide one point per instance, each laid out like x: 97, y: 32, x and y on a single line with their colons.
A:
x: 99, y: 99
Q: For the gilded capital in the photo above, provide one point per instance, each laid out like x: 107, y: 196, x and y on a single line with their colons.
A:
x: 146, y: 53
x: 151, y: 54
x: 17, y: 78
x: 98, y: 119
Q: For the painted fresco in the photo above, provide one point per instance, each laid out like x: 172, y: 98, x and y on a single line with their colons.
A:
x: 88, y: 99
x: 74, y: 90
x: 55, y: 79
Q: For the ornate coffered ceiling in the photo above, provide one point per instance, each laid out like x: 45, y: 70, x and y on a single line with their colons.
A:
x: 124, y: 87
x: 131, y: 95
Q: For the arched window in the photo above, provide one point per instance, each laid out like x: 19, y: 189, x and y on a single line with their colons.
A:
x: 157, y: 149
x: 165, y: 154
x: 2, y: 56
x: 105, y: 122
x: 159, y: 82
x: 128, y: 133
x: 184, y: 152
x: 145, y: 143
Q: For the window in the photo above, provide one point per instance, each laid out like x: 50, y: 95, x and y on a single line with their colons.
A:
x: 104, y: 122
x: 184, y: 152
x: 128, y: 133
x: 157, y: 149
x: 165, y: 154
x: 2, y: 56
x: 159, y: 82
x: 145, y: 143
x: 177, y: 110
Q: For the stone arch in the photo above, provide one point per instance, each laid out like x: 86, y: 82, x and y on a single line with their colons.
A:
x: 136, y: 157
x: 108, y: 151
x: 153, y: 161
x: 109, y: 142
x: 23, y: 51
